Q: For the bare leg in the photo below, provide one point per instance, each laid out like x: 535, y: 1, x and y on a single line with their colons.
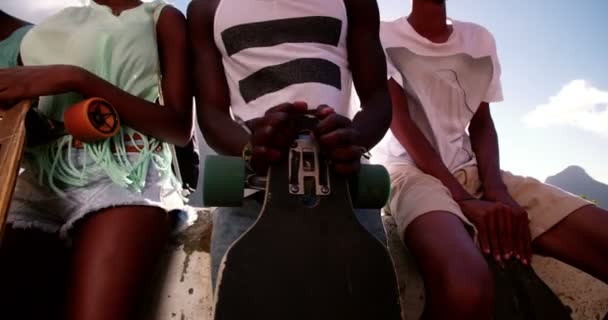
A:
x: 456, y: 277
x: 580, y: 240
x: 115, y: 252
x: 33, y: 269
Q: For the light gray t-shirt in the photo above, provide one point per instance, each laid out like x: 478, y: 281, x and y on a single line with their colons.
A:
x: 444, y: 84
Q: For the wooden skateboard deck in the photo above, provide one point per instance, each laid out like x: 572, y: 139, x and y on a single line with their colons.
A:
x: 307, y: 257
x: 90, y: 120
x: 12, y: 142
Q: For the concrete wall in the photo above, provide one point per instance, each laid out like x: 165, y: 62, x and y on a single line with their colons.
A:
x: 184, y: 291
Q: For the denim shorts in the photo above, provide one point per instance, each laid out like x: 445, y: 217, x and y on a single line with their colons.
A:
x: 35, y: 205
x: 230, y: 223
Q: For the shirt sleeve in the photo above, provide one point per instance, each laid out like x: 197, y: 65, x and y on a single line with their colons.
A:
x: 386, y: 35
x: 392, y: 72
x: 494, y: 92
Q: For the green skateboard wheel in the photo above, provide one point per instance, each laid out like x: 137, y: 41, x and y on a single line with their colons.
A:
x: 371, y: 188
x: 223, y: 181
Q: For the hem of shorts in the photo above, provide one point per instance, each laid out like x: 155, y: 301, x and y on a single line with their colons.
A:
x: 390, y: 165
x: 29, y: 225
x: 64, y: 232
x: 538, y: 229
x: 470, y: 227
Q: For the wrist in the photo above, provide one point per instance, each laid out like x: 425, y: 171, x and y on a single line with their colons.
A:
x: 71, y: 78
x: 464, y: 198
x: 495, y: 192
x: 458, y: 192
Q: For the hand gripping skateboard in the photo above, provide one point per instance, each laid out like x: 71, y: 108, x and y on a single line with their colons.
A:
x: 306, y: 256
x: 88, y: 121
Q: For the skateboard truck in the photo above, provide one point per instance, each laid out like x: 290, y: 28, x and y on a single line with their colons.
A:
x: 308, y: 171
x: 307, y: 176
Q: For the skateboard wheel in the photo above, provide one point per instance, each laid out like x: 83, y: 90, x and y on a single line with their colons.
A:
x: 371, y: 188
x: 223, y: 181
x: 91, y: 120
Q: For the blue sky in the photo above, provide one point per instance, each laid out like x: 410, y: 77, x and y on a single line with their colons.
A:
x: 555, y: 112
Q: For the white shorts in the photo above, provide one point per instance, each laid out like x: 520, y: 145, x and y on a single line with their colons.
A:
x: 414, y: 193
x: 35, y: 205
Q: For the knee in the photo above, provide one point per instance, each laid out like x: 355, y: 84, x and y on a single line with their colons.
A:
x: 467, y: 291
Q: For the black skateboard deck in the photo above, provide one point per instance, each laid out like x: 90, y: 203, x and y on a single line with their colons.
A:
x: 307, y: 256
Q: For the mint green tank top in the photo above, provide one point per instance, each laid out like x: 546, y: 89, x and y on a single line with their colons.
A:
x: 9, y: 47
x: 120, y: 49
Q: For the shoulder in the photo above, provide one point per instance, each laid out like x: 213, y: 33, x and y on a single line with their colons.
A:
x: 389, y: 27
x: 364, y: 11
x: 476, y: 33
x: 169, y: 13
x: 202, y: 10
x: 396, y: 32
x: 66, y: 14
x: 170, y: 22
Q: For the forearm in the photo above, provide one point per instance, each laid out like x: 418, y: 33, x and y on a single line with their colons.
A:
x: 224, y: 135
x: 411, y: 138
x: 374, y: 119
x: 161, y: 122
x: 484, y: 141
x: 428, y: 160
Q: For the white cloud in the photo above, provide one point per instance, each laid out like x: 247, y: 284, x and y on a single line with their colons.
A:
x: 579, y: 104
x: 36, y: 10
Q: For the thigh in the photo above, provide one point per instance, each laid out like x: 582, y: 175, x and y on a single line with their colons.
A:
x: 580, y: 240
x: 115, y: 253
x: 228, y: 225
x: 457, y: 280
x: 33, y: 268
x: 546, y: 205
x: 440, y: 243
x: 414, y: 194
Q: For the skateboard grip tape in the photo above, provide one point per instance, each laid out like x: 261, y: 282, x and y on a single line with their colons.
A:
x: 91, y: 120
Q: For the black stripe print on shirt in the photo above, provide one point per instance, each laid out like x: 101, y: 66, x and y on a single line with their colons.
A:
x: 277, y: 77
x: 324, y: 30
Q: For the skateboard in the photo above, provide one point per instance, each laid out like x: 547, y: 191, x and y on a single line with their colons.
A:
x: 520, y: 294
x: 306, y: 256
x: 90, y: 120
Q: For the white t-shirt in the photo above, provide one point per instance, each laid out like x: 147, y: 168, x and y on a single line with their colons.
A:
x: 444, y: 83
x: 284, y: 51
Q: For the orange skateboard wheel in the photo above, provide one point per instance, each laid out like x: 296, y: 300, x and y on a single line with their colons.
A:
x: 91, y: 120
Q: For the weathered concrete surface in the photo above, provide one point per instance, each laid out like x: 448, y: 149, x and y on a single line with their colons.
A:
x: 184, y: 291
x: 184, y: 281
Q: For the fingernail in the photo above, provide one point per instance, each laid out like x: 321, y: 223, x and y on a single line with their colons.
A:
x: 525, y: 261
x: 497, y: 257
x: 486, y: 251
x: 507, y: 256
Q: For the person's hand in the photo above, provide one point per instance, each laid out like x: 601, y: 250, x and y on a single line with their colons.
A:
x: 273, y: 134
x: 519, y: 223
x: 339, y: 140
x: 501, y: 232
x: 29, y: 82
